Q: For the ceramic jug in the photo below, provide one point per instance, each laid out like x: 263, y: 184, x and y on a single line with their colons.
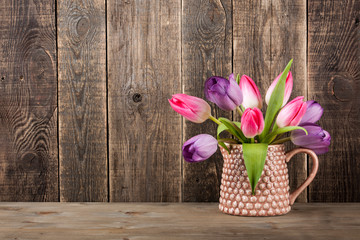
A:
x: 272, y: 193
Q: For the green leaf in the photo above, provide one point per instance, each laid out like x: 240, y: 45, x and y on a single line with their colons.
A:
x: 269, y: 138
x: 254, y: 158
x: 221, y: 143
x: 238, y: 125
x: 221, y: 127
x: 276, y: 100
x: 232, y: 128
x: 238, y: 79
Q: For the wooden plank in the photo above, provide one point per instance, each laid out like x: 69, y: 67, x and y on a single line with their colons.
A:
x: 173, y: 221
x: 82, y: 100
x: 144, y: 55
x: 334, y: 81
x: 267, y: 34
x: 206, y: 51
x: 28, y: 101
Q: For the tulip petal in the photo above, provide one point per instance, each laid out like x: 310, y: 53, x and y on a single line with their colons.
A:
x: 288, y: 88
x: 251, y: 94
x: 231, y: 77
x: 249, y: 129
x: 312, y: 129
x: 291, y: 113
x: 184, y: 111
x: 317, y: 138
x: 313, y: 113
x: 252, y: 122
x: 321, y: 150
x: 192, y: 108
x: 307, y: 140
x: 226, y: 94
x: 199, y: 148
x: 234, y: 92
x: 300, y: 113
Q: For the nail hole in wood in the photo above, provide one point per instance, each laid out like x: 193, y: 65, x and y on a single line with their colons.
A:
x: 137, y: 97
x: 2, y: 78
x: 21, y: 77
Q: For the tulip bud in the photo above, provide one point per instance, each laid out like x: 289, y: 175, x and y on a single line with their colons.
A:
x: 192, y: 108
x: 317, y: 139
x: 313, y: 112
x: 291, y: 113
x: 226, y: 94
x: 252, y: 122
x: 199, y: 148
x: 288, y: 89
x: 251, y: 94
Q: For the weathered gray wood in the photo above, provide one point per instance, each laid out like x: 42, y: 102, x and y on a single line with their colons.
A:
x: 206, y: 51
x: 28, y: 99
x: 267, y: 34
x: 173, y: 221
x: 144, y: 55
x: 334, y: 81
x: 82, y: 100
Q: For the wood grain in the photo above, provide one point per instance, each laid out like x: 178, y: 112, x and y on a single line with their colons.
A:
x: 82, y: 100
x: 267, y: 34
x: 206, y: 51
x: 28, y: 99
x: 144, y: 54
x: 79, y: 221
x: 334, y: 81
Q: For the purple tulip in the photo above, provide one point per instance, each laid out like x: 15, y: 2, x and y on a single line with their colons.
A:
x: 313, y: 112
x: 199, y: 148
x: 224, y: 93
x: 317, y: 139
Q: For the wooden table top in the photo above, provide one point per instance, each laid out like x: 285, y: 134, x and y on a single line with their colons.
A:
x: 173, y: 221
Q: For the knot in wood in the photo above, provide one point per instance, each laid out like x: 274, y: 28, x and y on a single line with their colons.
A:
x: 82, y: 26
x: 342, y: 88
x: 137, y: 97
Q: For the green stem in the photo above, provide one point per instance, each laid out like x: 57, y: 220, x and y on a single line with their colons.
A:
x: 252, y: 140
x: 215, y: 120
x: 282, y: 140
x: 275, y: 127
x: 239, y: 111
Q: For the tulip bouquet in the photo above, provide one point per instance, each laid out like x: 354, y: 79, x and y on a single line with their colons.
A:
x: 254, y: 131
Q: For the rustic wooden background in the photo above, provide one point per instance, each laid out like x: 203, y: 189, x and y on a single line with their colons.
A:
x: 84, y: 87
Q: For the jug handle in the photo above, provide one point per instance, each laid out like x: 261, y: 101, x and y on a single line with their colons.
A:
x: 311, y: 176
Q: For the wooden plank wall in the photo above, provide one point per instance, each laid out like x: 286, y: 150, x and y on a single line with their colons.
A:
x: 334, y: 80
x: 206, y: 51
x: 82, y: 100
x: 144, y: 56
x: 28, y: 101
x: 84, y: 87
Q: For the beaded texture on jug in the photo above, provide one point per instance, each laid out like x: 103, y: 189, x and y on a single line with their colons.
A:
x: 271, y: 193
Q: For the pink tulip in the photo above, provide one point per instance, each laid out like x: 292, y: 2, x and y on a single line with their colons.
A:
x: 291, y: 113
x: 251, y: 94
x: 192, y: 108
x: 288, y: 88
x: 252, y: 122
